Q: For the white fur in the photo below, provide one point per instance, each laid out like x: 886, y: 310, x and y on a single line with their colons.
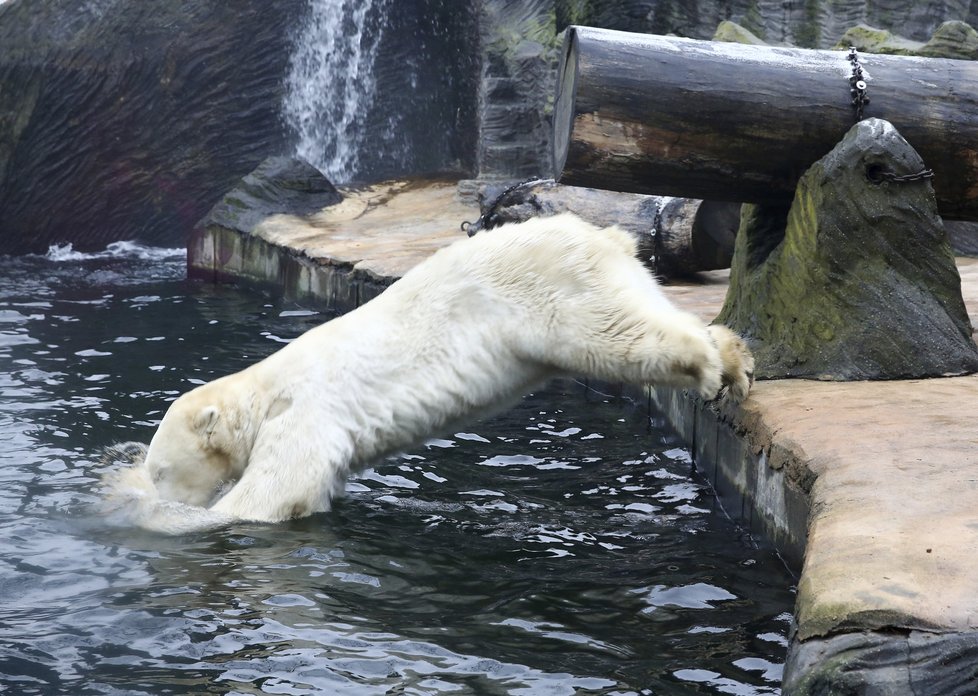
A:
x: 475, y: 326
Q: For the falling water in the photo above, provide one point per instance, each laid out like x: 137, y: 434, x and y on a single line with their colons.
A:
x: 331, y: 83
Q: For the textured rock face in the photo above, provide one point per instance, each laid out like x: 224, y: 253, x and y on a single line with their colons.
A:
x: 278, y: 185
x: 122, y: 120
x: 518, y: 44
x: 805, y: 23
x: 861, y: 283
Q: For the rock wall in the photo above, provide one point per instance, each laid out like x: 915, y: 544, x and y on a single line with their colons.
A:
x: 518, y: 55
x: 122, y: 120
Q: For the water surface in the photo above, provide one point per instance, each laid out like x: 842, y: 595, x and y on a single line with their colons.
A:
x: 564, y: 547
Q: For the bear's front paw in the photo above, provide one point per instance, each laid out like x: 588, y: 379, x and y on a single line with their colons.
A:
x: 738, y: 363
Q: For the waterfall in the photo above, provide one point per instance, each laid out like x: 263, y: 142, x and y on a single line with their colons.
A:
x: 331, y: 83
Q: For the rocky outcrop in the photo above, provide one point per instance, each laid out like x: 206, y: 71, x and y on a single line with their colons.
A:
x: 280, y: 185
x: 128, y: 120
x: 860, y: 282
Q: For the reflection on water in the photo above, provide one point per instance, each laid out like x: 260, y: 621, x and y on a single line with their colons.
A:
x: 561, y: 548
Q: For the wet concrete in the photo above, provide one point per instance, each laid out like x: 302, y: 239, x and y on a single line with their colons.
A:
x: 871, y: 488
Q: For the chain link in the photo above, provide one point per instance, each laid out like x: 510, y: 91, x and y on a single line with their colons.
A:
x: 879, y: 175
x: 653, y: 262
x: 857, y: 85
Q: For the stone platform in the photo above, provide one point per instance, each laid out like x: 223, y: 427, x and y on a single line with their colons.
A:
x: 871, y: 488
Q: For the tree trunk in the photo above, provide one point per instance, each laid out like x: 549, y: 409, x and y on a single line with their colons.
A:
x: 663, y: 115
x: 689, y: 235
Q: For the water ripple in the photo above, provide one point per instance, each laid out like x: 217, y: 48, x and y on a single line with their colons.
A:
x: 564, y: 547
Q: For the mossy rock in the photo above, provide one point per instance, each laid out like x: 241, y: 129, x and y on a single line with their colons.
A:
x: 872, y: 40
x: 857, y: 279
x: 952, y: 40
x: 731, y: 32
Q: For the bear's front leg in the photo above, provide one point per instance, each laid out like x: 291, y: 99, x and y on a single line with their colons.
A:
x: 737, y: 374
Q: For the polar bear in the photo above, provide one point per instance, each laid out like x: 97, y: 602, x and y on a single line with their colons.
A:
x: 471, y: 329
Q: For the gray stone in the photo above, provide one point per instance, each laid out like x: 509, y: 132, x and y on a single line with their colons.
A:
x: 279, y: 185
x: 870, y: 663
x: 860, y: 283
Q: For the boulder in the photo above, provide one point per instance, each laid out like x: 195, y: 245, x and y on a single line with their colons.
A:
x: 952, y: 39
x: 857, y: 279
x: 280, y: 185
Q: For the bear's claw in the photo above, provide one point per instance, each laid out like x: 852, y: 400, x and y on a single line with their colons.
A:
x: 737, y: 374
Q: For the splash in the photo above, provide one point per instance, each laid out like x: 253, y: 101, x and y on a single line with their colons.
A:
x: 331, y: 83
x: 115, y: 250
x: 130, y: 499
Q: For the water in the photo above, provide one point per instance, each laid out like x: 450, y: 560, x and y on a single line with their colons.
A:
x: 561, y: 548
x: 331, y: 83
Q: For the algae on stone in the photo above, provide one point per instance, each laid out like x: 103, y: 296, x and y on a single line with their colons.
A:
x: 731, y: 32
x: 952, y: 40
x: 873, y: 40
x: 860, y: 282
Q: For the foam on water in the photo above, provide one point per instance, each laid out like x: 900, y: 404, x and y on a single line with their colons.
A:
x: 115, y: 250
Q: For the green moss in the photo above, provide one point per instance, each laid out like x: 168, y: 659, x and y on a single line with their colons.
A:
x: 731, y: 32
x: 872, y: 40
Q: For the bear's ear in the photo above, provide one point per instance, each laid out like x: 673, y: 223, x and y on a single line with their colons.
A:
x: 205, y: 422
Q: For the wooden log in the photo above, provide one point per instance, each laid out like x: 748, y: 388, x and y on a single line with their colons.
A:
x: 689, y: 235
x: 670, y: 116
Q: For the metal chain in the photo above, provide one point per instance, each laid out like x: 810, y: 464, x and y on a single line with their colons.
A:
x: 653, y: 262
x: 486, y: 220
x: 857, y: 85
x: 878, y: 175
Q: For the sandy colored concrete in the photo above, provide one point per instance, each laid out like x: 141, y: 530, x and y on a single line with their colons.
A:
x: 382, y: 230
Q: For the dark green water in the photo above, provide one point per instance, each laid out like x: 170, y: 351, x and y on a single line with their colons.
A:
x: 564, y: 547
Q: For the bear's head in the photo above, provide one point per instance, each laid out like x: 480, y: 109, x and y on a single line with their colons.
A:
x: 202, y: 444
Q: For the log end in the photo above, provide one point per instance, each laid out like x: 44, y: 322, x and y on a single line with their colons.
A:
x: 564, y: 105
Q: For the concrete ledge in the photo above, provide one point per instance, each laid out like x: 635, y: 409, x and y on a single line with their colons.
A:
x: 345, y: 254
x: 766, y: 489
